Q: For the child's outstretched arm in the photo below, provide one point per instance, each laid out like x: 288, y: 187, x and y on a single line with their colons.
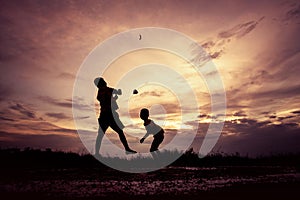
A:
x: 143, y: 138
x: 117, y: 91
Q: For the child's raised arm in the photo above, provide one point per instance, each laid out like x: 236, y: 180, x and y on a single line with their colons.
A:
x: 117, y: 91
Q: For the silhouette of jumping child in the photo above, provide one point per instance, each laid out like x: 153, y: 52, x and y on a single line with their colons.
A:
x: 108, y: 115
x: 152, y: 128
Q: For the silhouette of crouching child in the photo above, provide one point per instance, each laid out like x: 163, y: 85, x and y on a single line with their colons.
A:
x: 152, y: 128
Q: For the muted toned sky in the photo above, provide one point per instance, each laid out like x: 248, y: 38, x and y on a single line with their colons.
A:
x: 254, y: 44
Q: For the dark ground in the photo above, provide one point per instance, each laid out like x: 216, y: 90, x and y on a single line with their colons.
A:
x: 36, y: 174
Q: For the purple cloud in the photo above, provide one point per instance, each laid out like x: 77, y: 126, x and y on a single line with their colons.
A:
x: 58, y: 115
x: 240, y: 30
x: 25, y: 111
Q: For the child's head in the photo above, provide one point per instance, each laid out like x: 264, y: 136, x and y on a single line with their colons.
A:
x: 144, y: 114
x: 100, y: 82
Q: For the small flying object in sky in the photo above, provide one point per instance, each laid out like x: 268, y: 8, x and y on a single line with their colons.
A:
x: 135, y: 91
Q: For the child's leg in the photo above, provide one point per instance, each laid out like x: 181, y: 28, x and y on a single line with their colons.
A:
x: 101, y: 131
x: 121, y: 134
x: 156, y: 142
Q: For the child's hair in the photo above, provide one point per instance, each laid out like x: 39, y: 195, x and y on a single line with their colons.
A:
x: 100, y: 82
x: 144, y: 113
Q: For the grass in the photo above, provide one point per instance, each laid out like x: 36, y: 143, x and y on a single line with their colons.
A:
x: 46, y: 174
x: 37, y: 158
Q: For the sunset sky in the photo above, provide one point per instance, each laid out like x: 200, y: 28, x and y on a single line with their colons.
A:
x: 254, y: 44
